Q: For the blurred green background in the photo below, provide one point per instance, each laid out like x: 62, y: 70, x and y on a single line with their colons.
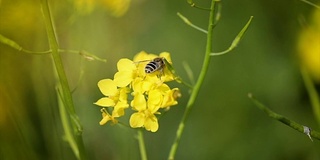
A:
x: 224, y: 124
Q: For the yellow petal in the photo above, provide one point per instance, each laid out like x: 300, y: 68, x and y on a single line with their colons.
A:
x: 167, y: 75
x: 166, y: 55
x: 123, y: 78
x: 126, y: 65
x: 151, y: 124
x: 123, y: 94
x: 137, y: 85
x: 139, y: 102
x: 164, y: 88
x: 146, y: 86
x: 108, y: 87
x: 155, y: 99
x: 141, y: 56
x: 119, y: 109
x: 170, y: 98
x: 137, y: 120
x: 105, y: 102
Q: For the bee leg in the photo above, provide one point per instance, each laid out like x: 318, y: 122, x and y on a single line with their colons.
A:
x: 161, y: 73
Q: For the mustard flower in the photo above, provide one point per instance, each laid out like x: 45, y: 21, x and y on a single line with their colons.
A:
x: 145, y: 115
x: 115, y: 97
x: 149, y: 91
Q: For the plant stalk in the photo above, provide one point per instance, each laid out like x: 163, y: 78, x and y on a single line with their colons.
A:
x: 62, y: 79
x: 198, y: 84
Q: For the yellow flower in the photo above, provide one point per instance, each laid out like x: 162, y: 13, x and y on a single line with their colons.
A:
x: 115, y: 97
x: 145, y: 117
x: 149, y: 91
x: 147, y: 108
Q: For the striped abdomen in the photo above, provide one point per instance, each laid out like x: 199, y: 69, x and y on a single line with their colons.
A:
x: 155, y: 65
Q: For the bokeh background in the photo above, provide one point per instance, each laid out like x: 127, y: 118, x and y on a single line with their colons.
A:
x: 224, y: 123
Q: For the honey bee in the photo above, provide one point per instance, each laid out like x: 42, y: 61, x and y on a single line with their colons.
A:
x: 154, y: 65
x: 159, y: 64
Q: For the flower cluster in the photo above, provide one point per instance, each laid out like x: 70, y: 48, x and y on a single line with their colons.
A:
x: 147, y: 91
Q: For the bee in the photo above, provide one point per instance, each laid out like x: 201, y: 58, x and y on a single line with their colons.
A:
x: 154, y: 65
x: 159, y: 64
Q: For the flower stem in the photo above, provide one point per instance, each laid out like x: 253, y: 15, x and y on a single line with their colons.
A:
x: 185, y: 20
x: 198, y: 84
x: 283, y: 119
x: 142, y: 147
x: 62, y: 79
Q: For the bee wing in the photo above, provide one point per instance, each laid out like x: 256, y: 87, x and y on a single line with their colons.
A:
x: 142, y: 61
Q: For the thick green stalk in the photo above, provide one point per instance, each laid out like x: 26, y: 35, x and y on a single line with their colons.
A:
x: 62, y: 78
x: 198, y: 84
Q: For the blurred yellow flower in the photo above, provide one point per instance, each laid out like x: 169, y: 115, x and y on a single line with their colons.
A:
x: 116, y: 8
x: 148, y: 90
x: 309, y: 47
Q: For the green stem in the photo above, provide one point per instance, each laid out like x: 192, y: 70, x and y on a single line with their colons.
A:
x: 236, y: 41
x: 192, y: 4
x: 198, y: 84
x: 16, y: 46
x: 142, y: 147
x: 65, y: 124
x: 186, y: 20
x: 284, y: 119
x: 62, y: 78
x: 85, y: 54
